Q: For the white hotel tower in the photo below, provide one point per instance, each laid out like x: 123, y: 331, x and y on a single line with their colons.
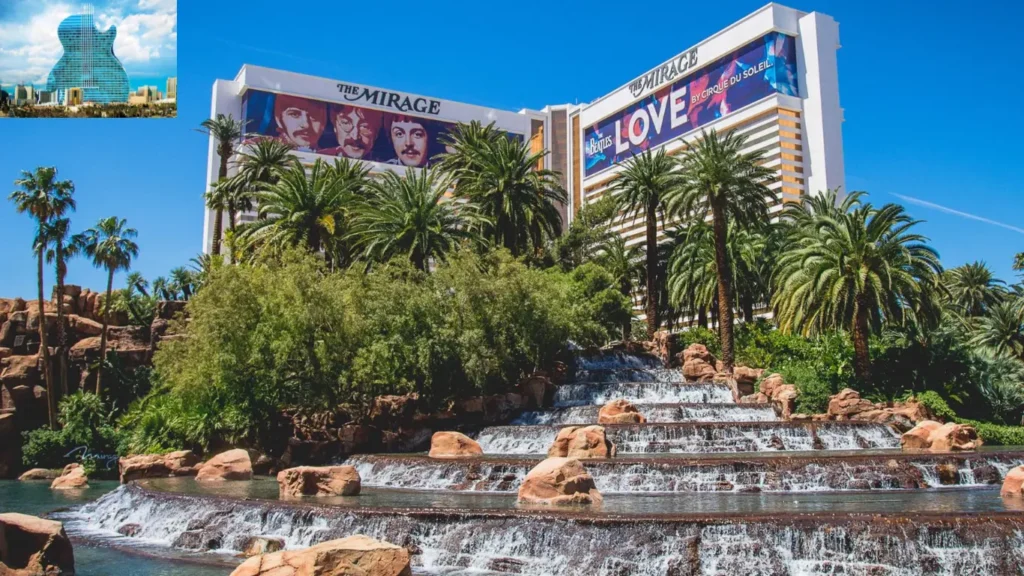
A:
x: 771, y: 76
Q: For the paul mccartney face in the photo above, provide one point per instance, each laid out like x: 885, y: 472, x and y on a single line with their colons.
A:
x: 409, y: 139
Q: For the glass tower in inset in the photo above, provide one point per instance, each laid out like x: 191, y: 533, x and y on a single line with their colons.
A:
x: 88, y: 62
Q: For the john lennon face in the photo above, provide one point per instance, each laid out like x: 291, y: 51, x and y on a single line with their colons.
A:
x: 410, y: 141
x: 356, y: 130
x: 300, y: 122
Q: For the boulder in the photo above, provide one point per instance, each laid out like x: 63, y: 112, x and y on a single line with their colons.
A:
x: 318, y: 481
x: 770, y: 383
x: 84, y: 326
x: 1013, y: 484
x: 746, y: 378
x: 39, y: 474
x: 846, y: 404
x: 453, y: 445
x: 620, y: 412
x: 31, y: 545
x: 5, y: 353
x: 230, y: 465
x: 952, y: 437
x: 180, y: 463
x: 559, y: 481
x: 256, y: 545
x: 21, y: 371
x: 698, y: 370
x: 784, y: 400
x: 353, y: 556
x: 936, y: 437
x: 700, y: 352
x: 582, y: 442
x: 71, y: 478
x: 393, y: 410
x: 538, y: 391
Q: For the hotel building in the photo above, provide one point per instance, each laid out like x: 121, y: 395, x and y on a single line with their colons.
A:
x: 772, y: 76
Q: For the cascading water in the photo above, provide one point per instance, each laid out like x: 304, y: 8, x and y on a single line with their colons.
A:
x: 676, y: 501
x: 656, y: 413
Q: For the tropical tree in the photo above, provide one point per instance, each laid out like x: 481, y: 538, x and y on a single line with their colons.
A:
x: 732, y: 185
x: 307, y: 209
x: 226, y: 131
x: 135, y: 281
x: 857, y: 270
x: 1001, y: 329
x: 110, y: 245
x: 184, y: 280
x: 202, y: 266
x: 409, y: 216
x: 164, y: 289
x: 260, y: 162
x: 46, y: 199
x: 519, y: 199
x: 641, y: 189
x: 972, y: 288
x: 625, y: 265
x: 60, y: 249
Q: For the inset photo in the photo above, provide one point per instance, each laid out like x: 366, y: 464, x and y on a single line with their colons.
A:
x: 108, y: 59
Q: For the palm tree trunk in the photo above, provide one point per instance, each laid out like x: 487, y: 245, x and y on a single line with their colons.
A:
x: 103, y: 335
x: 702, y: 317
x: 218, y: 225
x: 747, y: 302
x: 627, y: 326
x: 724, y: 287
x: 62, y: 334
x: 861, y: 355
x: 652, y: 268
x: 51, y: 402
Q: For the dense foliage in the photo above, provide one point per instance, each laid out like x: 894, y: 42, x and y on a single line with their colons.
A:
x: 290, y: 332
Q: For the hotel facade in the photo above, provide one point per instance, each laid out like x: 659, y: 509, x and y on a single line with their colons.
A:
x: 772, y: 76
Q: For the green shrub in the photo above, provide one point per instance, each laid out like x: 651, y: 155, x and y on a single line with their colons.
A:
x: 938, y: 406
x: 87, y: 435
x: 997, y: 434
x: 814, y: 390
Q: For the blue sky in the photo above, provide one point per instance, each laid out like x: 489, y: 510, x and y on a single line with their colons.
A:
x: 930, y: 92
x: 146, y: 41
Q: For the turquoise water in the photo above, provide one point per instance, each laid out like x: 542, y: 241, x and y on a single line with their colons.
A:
x: 97, y: 558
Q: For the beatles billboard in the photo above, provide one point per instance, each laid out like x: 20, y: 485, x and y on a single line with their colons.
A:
x: 763, y: 67
x: 400, y: 136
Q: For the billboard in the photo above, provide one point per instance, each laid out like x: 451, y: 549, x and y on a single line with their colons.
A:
x: 759, y: 69
x: 335, y: 129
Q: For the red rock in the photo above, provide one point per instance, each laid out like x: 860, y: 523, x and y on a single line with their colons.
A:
x: 620, y: 412
x: 71, y: 478
x: 847, y: 403
x: 318, y: 481
x: 559, y: 481
x: 784, y: 398
x: 256, y: 545
x: 537, y: 391
x: 31, y: 545
x: 700, y: 352
x: 919, y: 438
x: 582, y: 442
x: 180, y: 463
x: 699, y: 370
x: 393, y: 409
x: 353, y: 556
x: 21, y: 370
x: 952, y: 437
x: 453, y: 445
x: 770, y: 383
x: 230, y: 465
x: 1013, y: 484
x: 86, y: 326
x: 39, y: 474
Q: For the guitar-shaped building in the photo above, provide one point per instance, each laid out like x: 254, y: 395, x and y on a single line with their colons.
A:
x: 88, y: 63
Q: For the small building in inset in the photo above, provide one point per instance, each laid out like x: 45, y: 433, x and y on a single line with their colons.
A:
x: 144, y: 95
x: 172, y: 89
x: 73, y: 96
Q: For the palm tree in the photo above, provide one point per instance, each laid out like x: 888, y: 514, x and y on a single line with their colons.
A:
x: 624, y: 264
x: 227, y: 132
x: 260, y: 162
x: 857, y: 271
x: 233, y: 196
x: 1001, y: 329
x: 61, y: 249
x: 641, y: 190
x: 44, y: 198
x: 409, y: 216
x: 973, y: 289
x: 164, y: 289
x: 718, y: 177
x: 202, y: 266
x: 183, y: 279
x: 110, y: 246
x: 504, y: 179
x: 307, y: 209
x: 135, y: 281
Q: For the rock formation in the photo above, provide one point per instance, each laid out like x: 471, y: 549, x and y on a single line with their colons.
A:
x: 848, y: 405
x: 453, y: 445
x: 620, y: 412
x: 230, y: 465
x: 355, y: 555
x: 582, y: 442
x: 936, y: 437
x: 1013, y: 484
x: 318, y: 481
x: 180, y: 463
x: 71, y: 478
x: 31, y: 545
x: 39, y: 474
x: 559, y: 481
x: 256, y: 545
